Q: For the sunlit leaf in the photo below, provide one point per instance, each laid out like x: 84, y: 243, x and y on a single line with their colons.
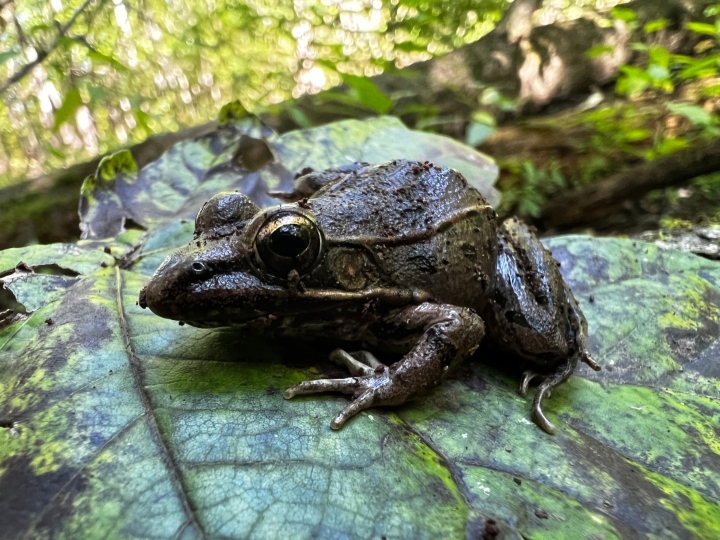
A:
x: 67, y: 109
x: 711, y: 90
x: 659, y: 56
x: 702, y: 28
x: 101, y: 58
x: 368, y: 93
x: 658, y: 72
x: 599, y: 50
x: 65, y: 41
x: 633, y: 81
x: 624, y: 14
x: 477, y: 132
x: 142, y: 119
x: 696, y: 114
x: 654, y: 26
x: 707, y: 67
x: 669, y: 146
x: 7, y: 55
x: 635, y: 135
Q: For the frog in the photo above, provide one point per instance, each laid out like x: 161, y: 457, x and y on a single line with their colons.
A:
x: 404, y: 257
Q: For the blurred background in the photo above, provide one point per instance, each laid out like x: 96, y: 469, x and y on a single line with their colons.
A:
x: 565, y: 94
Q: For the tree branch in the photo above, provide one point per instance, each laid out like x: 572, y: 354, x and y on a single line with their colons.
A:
x: 601, y: 199
x: 42, y: 54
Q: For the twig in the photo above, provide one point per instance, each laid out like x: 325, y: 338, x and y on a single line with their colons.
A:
x: 43, y: 53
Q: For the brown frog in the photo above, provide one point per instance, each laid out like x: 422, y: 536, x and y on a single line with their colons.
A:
x: 402, y: 256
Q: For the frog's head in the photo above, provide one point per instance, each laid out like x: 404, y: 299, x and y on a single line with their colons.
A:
x: 238, y: 265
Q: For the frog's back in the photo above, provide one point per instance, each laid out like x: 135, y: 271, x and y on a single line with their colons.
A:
x: 424, y: 225
x: 397, y: 198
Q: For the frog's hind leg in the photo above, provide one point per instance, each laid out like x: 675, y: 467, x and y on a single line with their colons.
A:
x: 533, y: 314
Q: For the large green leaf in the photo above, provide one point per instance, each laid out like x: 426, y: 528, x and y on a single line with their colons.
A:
x: 116, y: 423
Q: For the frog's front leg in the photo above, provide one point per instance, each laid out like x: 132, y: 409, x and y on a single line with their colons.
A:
x: 449, y: 335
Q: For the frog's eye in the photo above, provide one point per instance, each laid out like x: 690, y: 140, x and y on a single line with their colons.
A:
x: 288, y: 240
x: 224, y: 209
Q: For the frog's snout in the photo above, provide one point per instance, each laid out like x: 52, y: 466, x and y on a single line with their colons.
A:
x: 142, y: 300
x: 161, y: 293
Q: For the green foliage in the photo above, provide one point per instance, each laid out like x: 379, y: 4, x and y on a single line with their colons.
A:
x: 708, y: 185
x: 367, y: 93
x: 68, y: 107
x: 624, y: 14
x: 526, y: 188
x: 666, y: 72
x: 670, y: 223
x: 481, y: 126
x: 124, y: 71
x: 617, y: 129
x: 697, y: 115
x: 667, y: 101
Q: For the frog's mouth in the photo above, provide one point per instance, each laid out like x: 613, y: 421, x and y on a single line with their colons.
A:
x: 240, y: 298
x: 219, y: 300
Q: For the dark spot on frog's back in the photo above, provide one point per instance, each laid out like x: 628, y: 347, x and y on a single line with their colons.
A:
x: 424, y: 263
x: 517, y: 318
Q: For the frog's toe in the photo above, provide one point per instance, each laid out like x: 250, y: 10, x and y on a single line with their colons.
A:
x: 586, y: 358
x: 348, y: 385
x: 367, y: 358
x: 543, y: 392
x: 367, y: 391
x: 550, y: 381
x: 528, y: 376
x: 362, y: 402
x: 541, y: 420
x: 358, y: 363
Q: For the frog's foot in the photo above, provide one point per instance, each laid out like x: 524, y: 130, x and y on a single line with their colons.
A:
x: 560, y: 375
x: 370, y: 387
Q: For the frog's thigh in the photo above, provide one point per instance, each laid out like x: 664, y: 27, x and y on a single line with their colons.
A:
x: 527, y: 314
x: 449, y: 335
